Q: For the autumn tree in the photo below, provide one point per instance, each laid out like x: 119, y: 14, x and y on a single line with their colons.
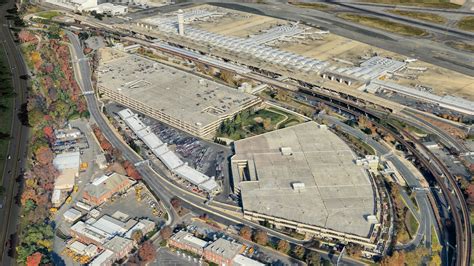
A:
x: 260, y: 237
x: 176, y: 203
x: 147, y: 252
x: 166, y: 232
x: 283, y: 246
x: 313, y: 258
x: 397, y: 259
x: 228, y: 77
x: 137, y: 235
x: 299, y: 252
x: 131, y: 170
x: 267, y: 124
x: 246, y: 233
x: 44, y: 155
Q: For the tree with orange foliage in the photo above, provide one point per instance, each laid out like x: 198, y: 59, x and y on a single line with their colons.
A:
x: 147, y: 252
x: 131, y: 170
x: 44, y: 155
x: 246, y: 233
x: 34, y: 259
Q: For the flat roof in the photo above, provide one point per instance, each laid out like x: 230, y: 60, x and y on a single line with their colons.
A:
x: 113, y: 226
x: 67, y: 160
x: 117, y: 244
x: 181, y: 95
x: 187, y: 238
x: 104, y: 257
x: 72, y: 214
x: 242, y: 260
x: 337, y: 194
x: 106, y: 183
x: 225, y: 248
x: 171, y: 160
x: 91, y: 232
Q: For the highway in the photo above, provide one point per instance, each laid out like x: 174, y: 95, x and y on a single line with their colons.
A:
x: 18, y: 143
x: 157, y: 183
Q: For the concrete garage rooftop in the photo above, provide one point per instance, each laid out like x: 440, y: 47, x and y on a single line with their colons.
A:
x: 337, y: 193
x: 180, y: 95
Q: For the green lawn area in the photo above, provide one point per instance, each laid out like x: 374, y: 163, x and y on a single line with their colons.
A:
x: 420, y: 3
x: 48, y: 14
x: 6, y: 108
x: 250, y: 123
x: 411, y: 223
x: 430, y: 17
x: 466, y: 23
x: 383, y: 24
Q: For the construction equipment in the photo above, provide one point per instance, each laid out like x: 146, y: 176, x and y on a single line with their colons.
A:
x: 75, y: 189
x: 68, y: 200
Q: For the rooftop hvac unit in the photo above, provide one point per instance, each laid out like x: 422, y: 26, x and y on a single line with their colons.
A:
x: 285, y: 151
x: 298, y: 186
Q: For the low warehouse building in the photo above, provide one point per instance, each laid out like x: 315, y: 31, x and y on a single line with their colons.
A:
x: 103, y: 188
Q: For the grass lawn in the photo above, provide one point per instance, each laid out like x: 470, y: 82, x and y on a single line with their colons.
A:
x: 466, y: 23
x: 430, y: 17
x: 48, y: 14
x: 420, y: 3
x: 317, y: 6
x: 383, y: 24
x: 411, y: 223
x: 259, y: 122
x: 7, y: 109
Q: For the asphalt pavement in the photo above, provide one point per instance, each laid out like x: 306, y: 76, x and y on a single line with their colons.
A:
x: 19, y: 135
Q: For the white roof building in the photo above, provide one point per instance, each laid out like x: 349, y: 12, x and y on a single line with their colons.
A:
x: 240, y: 260
x: 85, y: 250
x: 67, y: 160
x: 72, y: 215
x: 90, y: 232
x: 104, y: 259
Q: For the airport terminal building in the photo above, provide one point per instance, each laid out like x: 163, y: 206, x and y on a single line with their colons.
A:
x: 305, y: 178
x: 175, y: 97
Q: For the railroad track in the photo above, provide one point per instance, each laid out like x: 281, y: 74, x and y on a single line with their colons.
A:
x: 441, y: 174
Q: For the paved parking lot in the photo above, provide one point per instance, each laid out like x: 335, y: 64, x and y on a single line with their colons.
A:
x: 167, y: 257
x: 205, y: 156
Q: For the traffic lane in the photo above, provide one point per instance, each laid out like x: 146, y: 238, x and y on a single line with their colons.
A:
x: 17, y: 143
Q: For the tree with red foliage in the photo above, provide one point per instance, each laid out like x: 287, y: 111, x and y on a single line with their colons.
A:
x: 131, y: 170
x: 49, y: 133
x: 166, y: 232
x: 176, y: 203
x: 147, y: 252
x: 44, y: 155
x: 34, y: 259
x: 470, y: 194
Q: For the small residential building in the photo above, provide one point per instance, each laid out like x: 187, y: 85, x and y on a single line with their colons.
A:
x: 120, y: 246
x: 72, y: 215
x: 104, y: 187
x: 241, y: 260
x: 186, y: 241
x: 223, y: 251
